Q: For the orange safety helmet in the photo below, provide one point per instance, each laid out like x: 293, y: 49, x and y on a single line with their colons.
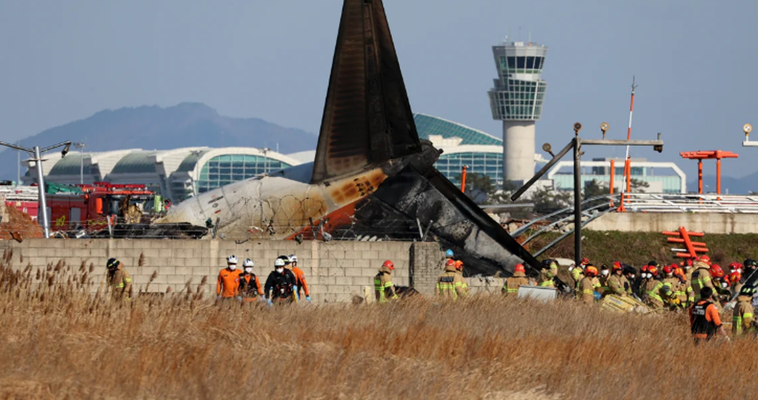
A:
x: 704, y: 258
x: 389, y: 264
x: 735, y: 277
x: 590, y: 270
x: 644, y: 268
x: 520, y: 268
x: 652, y: 270
x: 716, y: 271
x: 459, y: 265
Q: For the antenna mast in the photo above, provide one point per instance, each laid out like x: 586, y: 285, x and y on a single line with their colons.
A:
x: 628, y: 162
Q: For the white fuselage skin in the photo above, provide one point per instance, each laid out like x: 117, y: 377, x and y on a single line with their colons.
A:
x: 277, y: 205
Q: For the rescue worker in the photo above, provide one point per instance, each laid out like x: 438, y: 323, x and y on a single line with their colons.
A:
x: 299, y: 277
x: 743, y: 322
x: 750, y: 266
x: 584, y: 263
x: 653, y: 289
x: 705, y: 321
x: 547, y: 274
x: 586, y: 291
x: 701, y: 277
x: 451, y: 284
x: 576, y: 274
x: 605, y: 274
x: 735, y: 284
x: 722, y: 293
x: 119, y: 281
x: 228, y: 280
x: 280, y: 284
x: 249, y: 286
x: 673, y: 287
x: 515, y: 281
x: 383, y: 287
x: 634, y: 280
x: 618, y: 283
x: 459, y: 271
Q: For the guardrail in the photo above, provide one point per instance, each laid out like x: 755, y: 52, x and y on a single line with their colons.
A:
x: 690, y: 203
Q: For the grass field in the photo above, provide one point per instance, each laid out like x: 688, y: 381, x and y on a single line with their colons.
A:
x: 637, y: 248
x: 58, y: 342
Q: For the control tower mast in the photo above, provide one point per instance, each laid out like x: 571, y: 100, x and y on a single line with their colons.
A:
x: 517, y: 100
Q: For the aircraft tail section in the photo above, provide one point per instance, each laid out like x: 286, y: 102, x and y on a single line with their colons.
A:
x: 367, y: 116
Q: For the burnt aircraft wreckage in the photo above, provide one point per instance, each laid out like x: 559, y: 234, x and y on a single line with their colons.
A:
x: 371, y: 173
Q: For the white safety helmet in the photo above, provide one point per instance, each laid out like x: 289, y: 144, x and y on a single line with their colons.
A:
x: 248, y: 263
x: 293, y: 258
x: 279, y: 263
x: 231, y: 260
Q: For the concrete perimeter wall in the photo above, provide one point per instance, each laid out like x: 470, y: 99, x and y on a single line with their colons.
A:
x: 657, y: 222
x: 335, y: 271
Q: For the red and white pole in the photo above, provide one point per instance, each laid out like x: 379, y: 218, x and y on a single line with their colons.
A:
x: 628, y: 162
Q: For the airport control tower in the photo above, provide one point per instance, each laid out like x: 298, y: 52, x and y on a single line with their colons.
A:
x: 517, y: 100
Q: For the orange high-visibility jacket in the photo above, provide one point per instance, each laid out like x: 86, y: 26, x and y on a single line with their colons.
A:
x: 228, y: 282
x: 300, y: 279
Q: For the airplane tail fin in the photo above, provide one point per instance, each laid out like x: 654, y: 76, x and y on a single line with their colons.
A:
x: 367, y: 116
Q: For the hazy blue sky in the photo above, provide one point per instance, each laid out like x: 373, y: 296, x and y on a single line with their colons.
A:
x: 694, y: 62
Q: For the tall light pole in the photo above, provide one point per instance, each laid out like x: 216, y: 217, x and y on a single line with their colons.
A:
x: 36, y: 153
x: 81, y: 146
x: 576, y: 145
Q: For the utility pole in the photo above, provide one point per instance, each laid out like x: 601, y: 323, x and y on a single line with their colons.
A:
x: 36, y: 153
x: 576, y: 145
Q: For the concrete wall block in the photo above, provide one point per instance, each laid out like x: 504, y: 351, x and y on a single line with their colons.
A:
x: 327, y: 280
x: 353, y: 272
x: 371, y: 255
x: 332, y: 271
x: 180, y: 280
x: 166, y: 270
x: 345, y: 281
x: 362, y: 281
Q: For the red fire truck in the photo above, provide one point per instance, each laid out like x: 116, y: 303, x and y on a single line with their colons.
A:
x: 88, y: 207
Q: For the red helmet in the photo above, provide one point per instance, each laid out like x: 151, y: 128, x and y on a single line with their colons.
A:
x: 591, y: 270
x: 617, y: 266
x: 389, y: 264
x: 716, y: 271
x: 652, y: 270
x: 449, y: 262
x: 644, y: 268
x: 669, y: 269
x: 735, y: 277
x: 735, y: 265
x: 458, y: 265
x: 520, y: 268
x: 585, y: 260
x: 704, y: 258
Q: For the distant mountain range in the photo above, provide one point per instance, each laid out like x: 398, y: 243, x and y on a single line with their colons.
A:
x: 157, y: 128
x: 733, y: 185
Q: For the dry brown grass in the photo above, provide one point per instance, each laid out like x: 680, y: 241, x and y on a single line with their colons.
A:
x: 59, y: 341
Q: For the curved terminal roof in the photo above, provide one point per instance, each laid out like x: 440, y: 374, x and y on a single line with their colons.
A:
x: 71, y: 164
x: 138, y: 162
x: 194, y: 162
x: 428, y: 125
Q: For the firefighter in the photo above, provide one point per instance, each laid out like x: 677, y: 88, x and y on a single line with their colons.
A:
x: 119, y: 281
x: 280, y: 284
x: 617, y: 282
x: 674, y: 289
x: 515, y: 281
x: 634, y: 280
x: 743, y: 322
x: 587, y: 285
x: 652, y: 289
x: 451, y: 284
x: 705, y: 321
x: 249, y: 286
x: 459, y: 271
x: 605, y: 274
x: 750, y: 267
x: 576, y: 274
x: 584, y: 263
x: 299, y: 277
x: 383, y: 287
x: 721, y: 287
x: 701, y: 277
x: 735, y: 284
x: 548, y: 273
x: 228, y: 280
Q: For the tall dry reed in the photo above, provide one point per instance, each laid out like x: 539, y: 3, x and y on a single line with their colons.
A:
x: 58, y: 340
